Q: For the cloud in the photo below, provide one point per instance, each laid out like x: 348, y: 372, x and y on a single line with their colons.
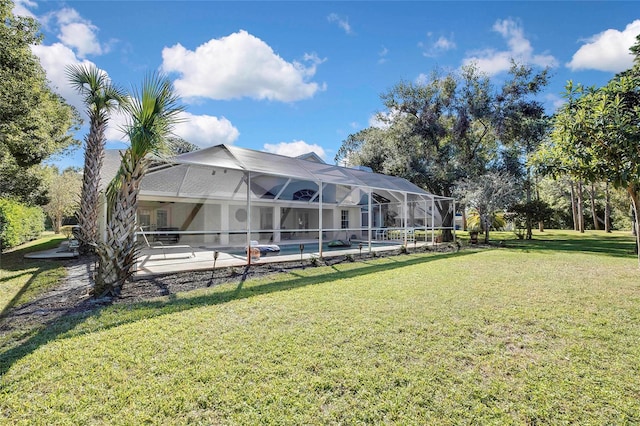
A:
x: 21, y: 8
x: 382, y: 55
x: 435, y: 48
x: 54, y: 59
x: 494, y: 61
x: 206, y: 130
x: 383, y: 120
x: 607, y: 51
x: 76, y: 32
x: 236, y: 66
x: 341, y: 22
x: 554, y: 101
x: 79, y: 34
x: 295, y: 148
x: 115, y: 130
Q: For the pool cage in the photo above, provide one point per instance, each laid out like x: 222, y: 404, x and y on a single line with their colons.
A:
x: 231, y: 199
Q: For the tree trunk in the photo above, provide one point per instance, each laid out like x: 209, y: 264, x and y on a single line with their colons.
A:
x: 607, y: 208
x: 580, y: 208
x: 487, y: 227
x: 463, y: 208
x: 90, y: 196
x: 594, y: 215
x: 635, y: 199
x: 529, y: 218
x: 540, y: 222
x: 118, y: 255
x: 574, y: 210
x: 444, y: 208
x: 57, y: 224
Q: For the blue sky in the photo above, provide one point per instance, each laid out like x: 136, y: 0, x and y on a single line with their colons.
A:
x: 291, y: 77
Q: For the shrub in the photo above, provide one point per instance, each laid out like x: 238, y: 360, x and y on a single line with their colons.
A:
x: 19, y: 223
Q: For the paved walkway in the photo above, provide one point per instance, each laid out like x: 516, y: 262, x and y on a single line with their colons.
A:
x: 61, y: 252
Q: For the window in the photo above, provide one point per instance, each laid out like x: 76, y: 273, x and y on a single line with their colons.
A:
x: 304, y: 195
x: 144, y: 218
x: 162, y: 218
x: 344, y: 219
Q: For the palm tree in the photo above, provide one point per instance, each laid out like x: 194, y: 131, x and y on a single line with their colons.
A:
x: 153, y: 111
x: 101, y: 98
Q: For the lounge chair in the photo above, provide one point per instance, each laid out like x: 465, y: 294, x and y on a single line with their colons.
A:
x: 158, y: 245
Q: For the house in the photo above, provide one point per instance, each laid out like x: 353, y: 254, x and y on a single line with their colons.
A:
x: 226, y: 196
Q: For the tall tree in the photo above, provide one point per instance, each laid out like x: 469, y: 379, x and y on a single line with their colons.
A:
x: 179, y: 146
x: 101, y: 97
x: 435, y: 133
x: 600, y: 129
x: 521, y: 123
x: 488, y: 194
x: 451, y: 127
x: 64, y: 195
x: 153, y: 111
x: 35, y: 123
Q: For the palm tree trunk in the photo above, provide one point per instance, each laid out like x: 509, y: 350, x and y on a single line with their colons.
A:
x: 118, y: 255
x: 90, y: 202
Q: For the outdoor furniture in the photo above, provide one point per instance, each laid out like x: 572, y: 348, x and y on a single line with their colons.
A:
x: 169, y: 237
x: 159, y: 245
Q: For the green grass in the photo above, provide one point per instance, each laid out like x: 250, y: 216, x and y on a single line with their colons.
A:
x: 538, y: 332
x: 21, y: 280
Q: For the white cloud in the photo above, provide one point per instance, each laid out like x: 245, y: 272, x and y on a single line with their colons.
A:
x: 383, y: 55
x: 435, y: 48
x: 295, y: 148
x: 54, y: 59
x: 607, y: 51
x: 341, y: 22
x: 382, y: 120
x: 206, y: 130
x: 21, y: 8
x: 76, y: 32
x: 554, y: 101
x: 239, y: 65
x: 82, y: 38
x: 494, y: 61
x: 115, y: 130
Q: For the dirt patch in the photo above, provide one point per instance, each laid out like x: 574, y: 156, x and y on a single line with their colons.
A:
x: 73, y: 295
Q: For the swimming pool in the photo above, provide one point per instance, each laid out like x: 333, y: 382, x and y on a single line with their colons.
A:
x: 294, y: 248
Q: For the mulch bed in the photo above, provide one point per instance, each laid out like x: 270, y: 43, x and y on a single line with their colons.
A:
x: 73, y: 295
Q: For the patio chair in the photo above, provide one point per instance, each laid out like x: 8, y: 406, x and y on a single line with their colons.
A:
x: 158, y: 245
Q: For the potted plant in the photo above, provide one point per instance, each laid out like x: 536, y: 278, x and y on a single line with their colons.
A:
x: 473, y: 235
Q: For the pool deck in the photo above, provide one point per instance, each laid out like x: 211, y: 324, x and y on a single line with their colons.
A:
x: 180, y: 258
x: 170, y: 259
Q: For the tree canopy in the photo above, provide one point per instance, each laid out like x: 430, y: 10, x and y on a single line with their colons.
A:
x: 451, y: 127
x: 597, y: 132
x: 35, y: 123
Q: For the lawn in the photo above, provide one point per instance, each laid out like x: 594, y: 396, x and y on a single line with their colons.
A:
x: 540, y: 332
x: 21, y: 279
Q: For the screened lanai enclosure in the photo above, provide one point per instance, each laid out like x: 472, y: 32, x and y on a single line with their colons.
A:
x: 248, y: 204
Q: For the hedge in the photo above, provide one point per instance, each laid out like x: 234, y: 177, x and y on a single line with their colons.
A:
x: 19, y: 223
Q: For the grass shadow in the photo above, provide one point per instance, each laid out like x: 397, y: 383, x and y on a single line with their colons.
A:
x: 14, y: 261
x: 63, y: 327
x: 612, y: 245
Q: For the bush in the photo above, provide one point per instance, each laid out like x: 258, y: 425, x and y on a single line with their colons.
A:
x: 19, y: 223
